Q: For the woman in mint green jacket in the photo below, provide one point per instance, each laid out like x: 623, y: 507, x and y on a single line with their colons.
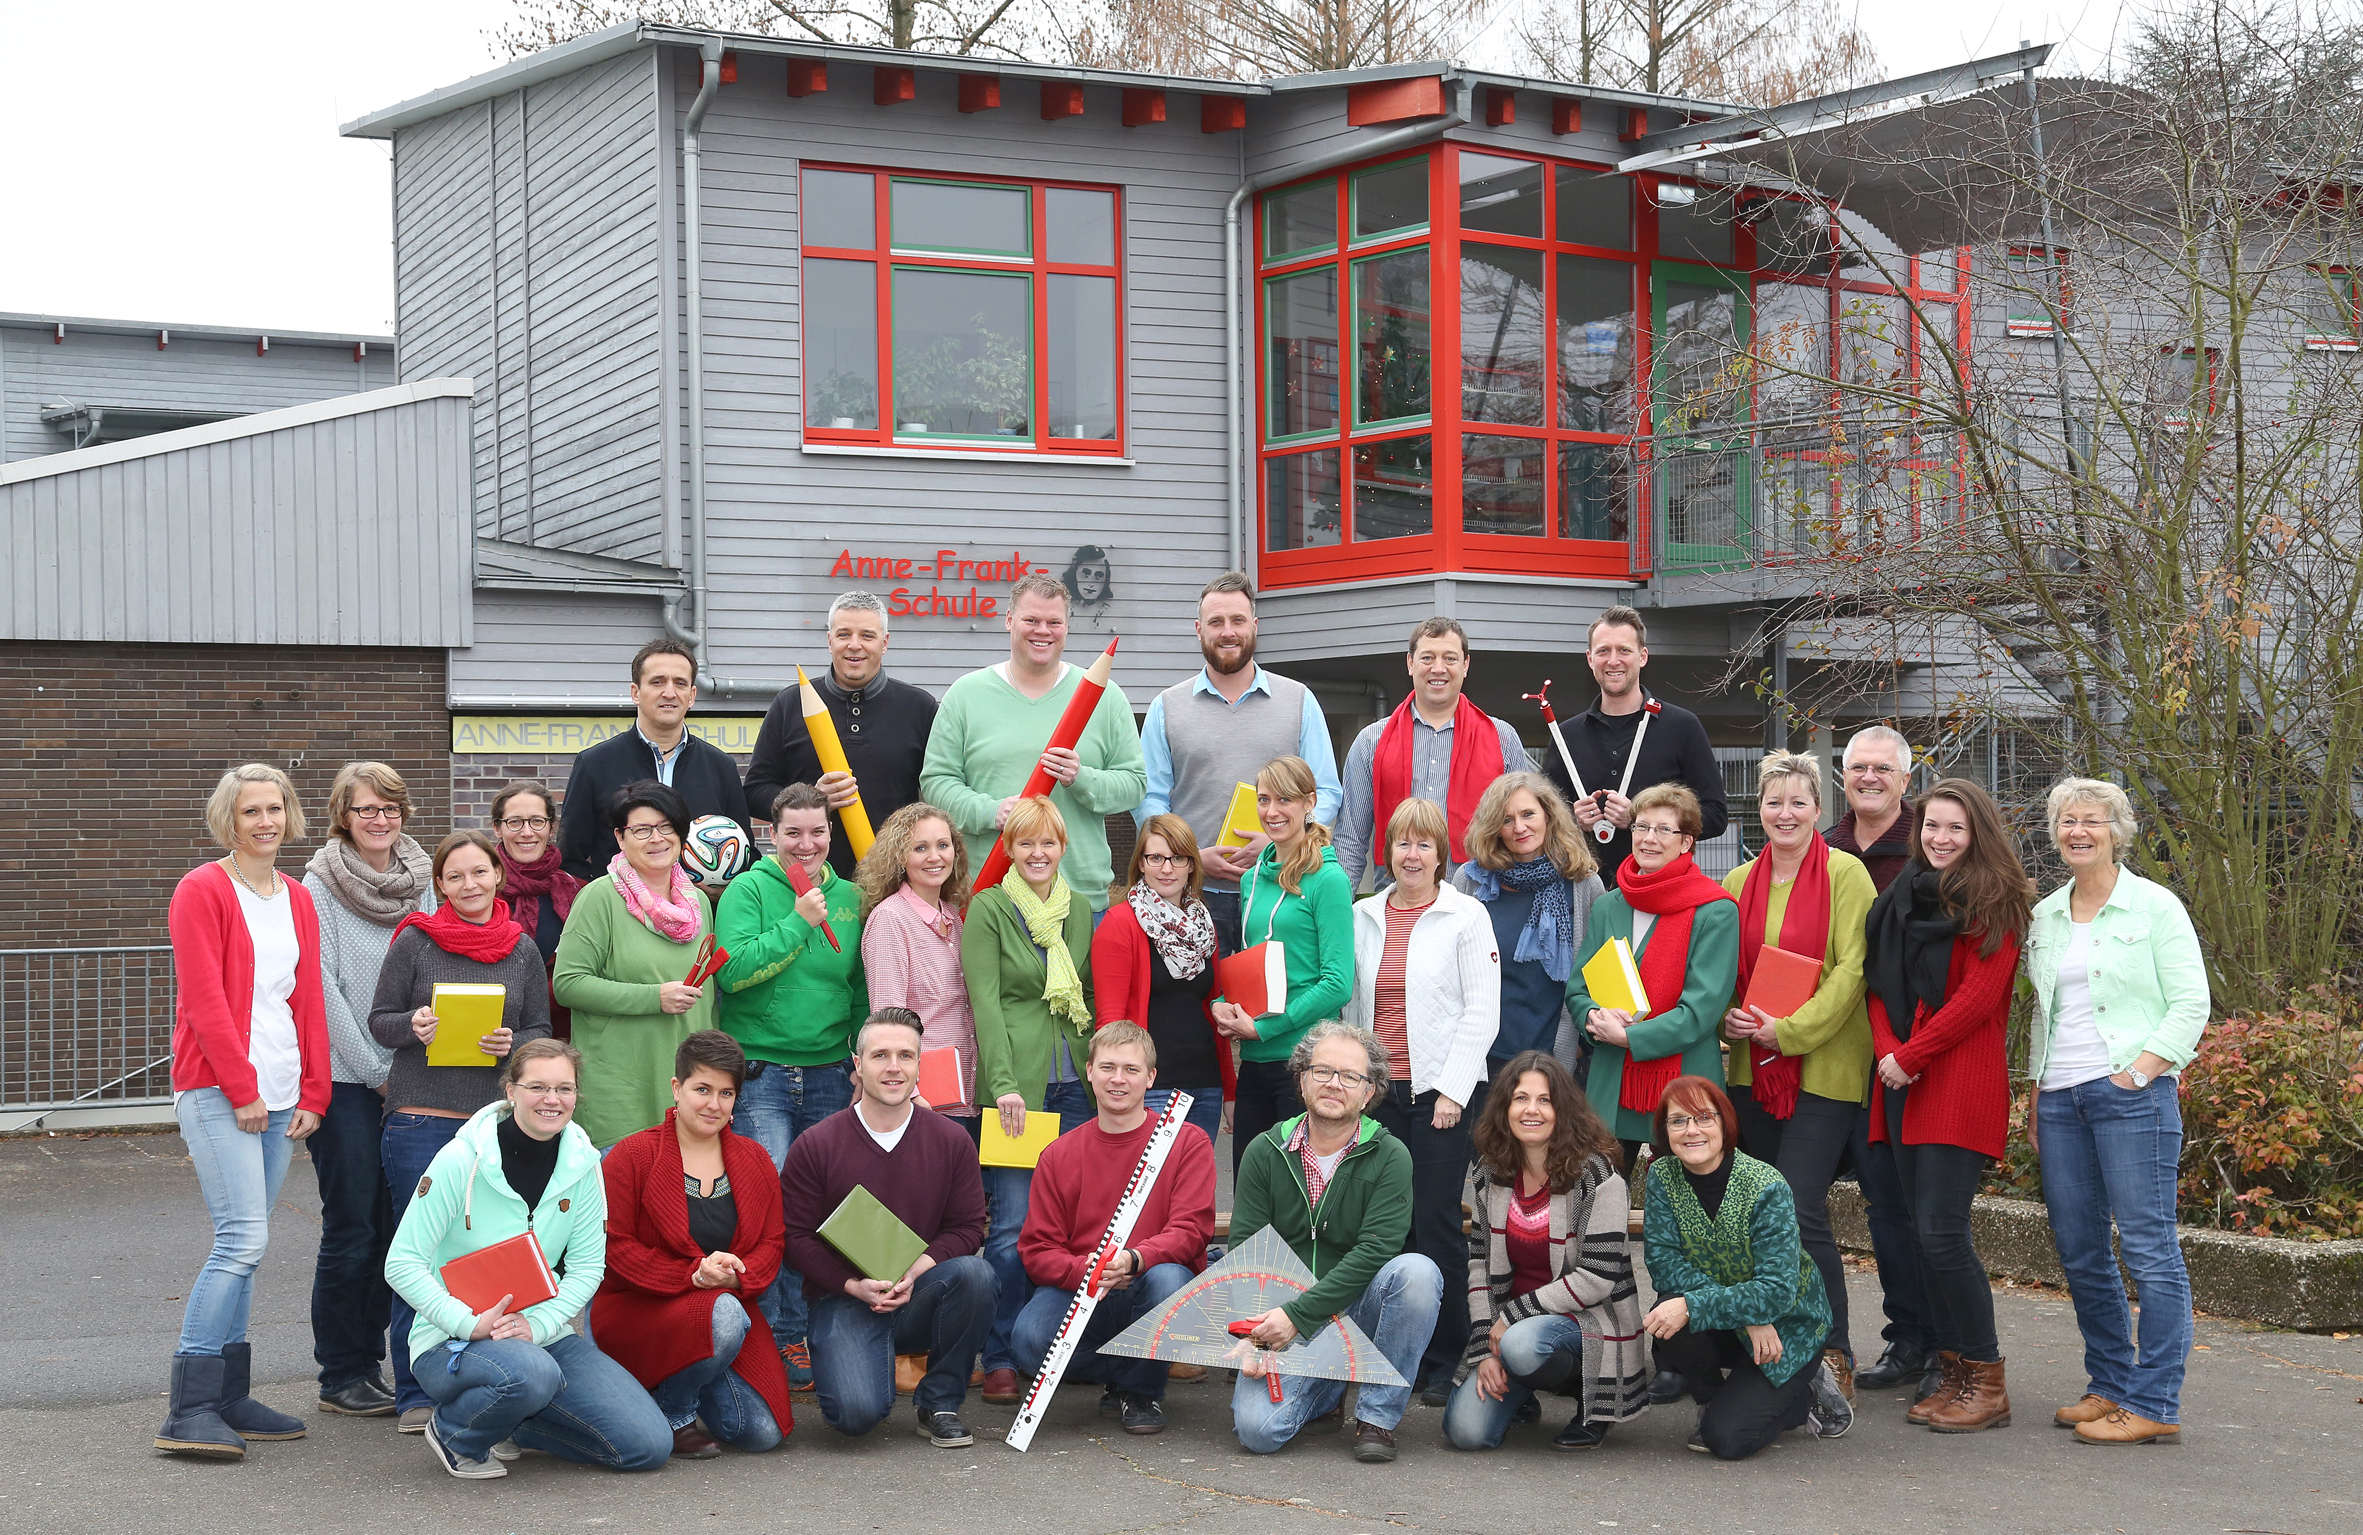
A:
x: 2120, y: 999
x: 1296, y: 896
x: 507, y: 1379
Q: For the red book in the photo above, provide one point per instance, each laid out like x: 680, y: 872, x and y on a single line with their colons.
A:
x: 514, y: 1268
x: 939, y: 1078
x: 1255, y: 979
x: 1782, y: 982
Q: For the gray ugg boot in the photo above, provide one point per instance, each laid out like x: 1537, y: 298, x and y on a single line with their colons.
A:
x: 193, y: 1424
x: 243, y: 1413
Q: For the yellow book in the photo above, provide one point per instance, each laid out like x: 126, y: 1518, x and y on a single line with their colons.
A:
x: 464, y: 1015
x: 1612, y: 980
x: 1239, y: 821
x: 996, y: 1149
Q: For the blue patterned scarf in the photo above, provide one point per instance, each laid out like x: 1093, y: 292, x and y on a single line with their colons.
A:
x: 1549, y: 934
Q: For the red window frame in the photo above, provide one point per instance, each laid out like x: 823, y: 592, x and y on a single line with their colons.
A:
x: 2170, y: 411
x: 2349, y: 287
x: 884, y: 257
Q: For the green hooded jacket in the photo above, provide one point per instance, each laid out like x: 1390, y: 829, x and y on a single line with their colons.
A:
x: 1364, y: 1214
x: 786, y: 995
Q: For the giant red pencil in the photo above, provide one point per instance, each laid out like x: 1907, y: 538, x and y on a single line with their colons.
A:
x: 1066, y: 733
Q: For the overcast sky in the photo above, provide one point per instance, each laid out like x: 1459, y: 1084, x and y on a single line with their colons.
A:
x: 180, y: 163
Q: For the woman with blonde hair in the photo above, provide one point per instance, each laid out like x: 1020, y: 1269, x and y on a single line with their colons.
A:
x: 1530, y: 867
x: 1152, y: 963
x: 250, y: 1078
x: 1296, y: 896
x: 910, y: 881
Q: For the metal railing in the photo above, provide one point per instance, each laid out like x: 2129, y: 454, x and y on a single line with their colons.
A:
x: 85, y: 1028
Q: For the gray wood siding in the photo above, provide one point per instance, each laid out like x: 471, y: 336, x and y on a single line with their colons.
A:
x: 195, y: 373
x: 350, y: 530
x: 533, y: 647
x: 528, y: 253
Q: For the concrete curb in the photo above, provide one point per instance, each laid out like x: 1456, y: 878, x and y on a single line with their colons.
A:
x: 2309, y: 1286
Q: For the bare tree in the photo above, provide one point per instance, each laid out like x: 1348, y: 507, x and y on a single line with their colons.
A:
x: 1009, y: 28
x: 1250, y: 39
x: 1755, y: 52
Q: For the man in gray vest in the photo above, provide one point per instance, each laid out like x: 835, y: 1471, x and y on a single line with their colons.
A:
x: 1205, y: 736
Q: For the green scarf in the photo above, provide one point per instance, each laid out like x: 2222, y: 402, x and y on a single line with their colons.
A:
x: 1046, y: 924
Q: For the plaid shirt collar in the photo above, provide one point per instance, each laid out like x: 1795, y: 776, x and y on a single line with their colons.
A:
x: 1301, y: 1142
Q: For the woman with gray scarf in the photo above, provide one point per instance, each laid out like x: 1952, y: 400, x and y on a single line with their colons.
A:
x: 367, y: 877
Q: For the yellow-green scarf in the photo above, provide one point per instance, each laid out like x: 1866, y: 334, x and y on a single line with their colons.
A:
x: 1046, y: 924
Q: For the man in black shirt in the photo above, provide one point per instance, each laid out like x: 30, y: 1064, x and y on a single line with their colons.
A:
x: 882, y: 724
x: 1673, y: 745
x: 658, y: 746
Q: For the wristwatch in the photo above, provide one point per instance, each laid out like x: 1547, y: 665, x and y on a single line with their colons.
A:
x: 2133, y: 1075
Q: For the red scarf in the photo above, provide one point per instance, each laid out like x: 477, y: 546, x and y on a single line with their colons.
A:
x: 1673, y: 895
x: 528, y: 883
x: 1476, y: 763
x: 487, y: 943
x: 1804, y: 929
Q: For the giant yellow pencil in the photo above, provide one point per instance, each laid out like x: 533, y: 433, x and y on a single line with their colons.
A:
x: 831, y: 752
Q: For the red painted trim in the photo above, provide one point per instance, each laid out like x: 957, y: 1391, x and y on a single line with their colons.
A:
x: 889, y: 85
x: 980, y: 93
x: 1501, y: 107
x: 807, y: 77
x: 730, y: 66
x: 1394, y: 101
x: 1142, y: 106
x: 1222, y: 114
x: 1567, y: 117
x: 1444, y: 380
x: 1061, y: 98
x: 1636, y: 124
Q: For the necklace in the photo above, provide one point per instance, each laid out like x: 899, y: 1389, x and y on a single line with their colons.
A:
x: 240, y: 875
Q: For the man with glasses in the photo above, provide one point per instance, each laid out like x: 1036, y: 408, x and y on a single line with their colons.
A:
x: 1877, y: 828
x: 1336, y: 1187
x: 991, y: 730
x: 1629, y: 741
x: 658, y: 746
x: 1210, y: 733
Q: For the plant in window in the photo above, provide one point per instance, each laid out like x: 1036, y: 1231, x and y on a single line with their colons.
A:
x: 843, y: 400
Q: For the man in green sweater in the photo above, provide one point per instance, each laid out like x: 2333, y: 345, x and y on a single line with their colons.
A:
x: 1336, y: 1187
x: 793, y: 999
x: 991, y: 730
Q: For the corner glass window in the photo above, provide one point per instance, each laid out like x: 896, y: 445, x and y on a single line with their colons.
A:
x: 1595, y: 208
x: 1301, y: 220
x: 840, y: 210
x: 963, y: 218
x: 1594, y: 481
x: 1597, y: 345
x: 1501, y: 196
x: 1394, y: 488
x: 1302, y: 506
x: 1391, y: 200
x: 1502, y: 485
x: 1082, y: 226
x: 1501, y: 334
x: 1302, y: 375
x: 1391, y: 331
x: 962, y: 353
x: 1694, y: 232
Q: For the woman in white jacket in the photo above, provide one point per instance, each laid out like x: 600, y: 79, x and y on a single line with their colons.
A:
x: 1427, y: 981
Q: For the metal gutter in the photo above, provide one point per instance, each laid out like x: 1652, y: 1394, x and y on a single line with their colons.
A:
x: 710, y: 52
x: 1234, y: 401
x: 946, y: 63
x: 247, y: 333
x: 532, y: 69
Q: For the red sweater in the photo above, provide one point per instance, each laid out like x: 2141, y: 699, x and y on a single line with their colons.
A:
x: 213, y: 1016
x: 1120, y: 975
x: 1957, y: 1052
x: 1081, y: 1176
x: 648, y: 1316
x: 930, y: 1181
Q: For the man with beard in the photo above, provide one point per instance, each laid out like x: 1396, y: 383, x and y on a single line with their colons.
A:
x: 1212, y: 732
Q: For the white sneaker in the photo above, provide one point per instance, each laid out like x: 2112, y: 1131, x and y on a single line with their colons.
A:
x: 460, y: 1465
x: 507, y: 1450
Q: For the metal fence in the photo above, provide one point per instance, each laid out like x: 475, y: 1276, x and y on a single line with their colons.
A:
x: 1789, y: 491
x: 85, y: 1028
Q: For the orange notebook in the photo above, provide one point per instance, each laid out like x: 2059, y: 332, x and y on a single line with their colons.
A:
x: 940, y: 1081
x: 1255, y: 979
x: 1782, y: 982
x: 514, y: 1268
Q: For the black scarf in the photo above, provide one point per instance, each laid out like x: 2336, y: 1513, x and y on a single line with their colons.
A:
x: 1911, y: 946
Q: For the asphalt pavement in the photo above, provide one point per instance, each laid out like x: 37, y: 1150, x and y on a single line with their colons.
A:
x: 99, y: 1238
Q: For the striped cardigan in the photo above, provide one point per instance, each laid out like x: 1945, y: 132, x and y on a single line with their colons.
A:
x: 1592, y: 1256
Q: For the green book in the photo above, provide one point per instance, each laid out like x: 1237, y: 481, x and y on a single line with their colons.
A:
x: 871, y: 1237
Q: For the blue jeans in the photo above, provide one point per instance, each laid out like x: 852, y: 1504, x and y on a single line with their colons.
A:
x: 1223, y: 907
x: 773, y: 1109
x: 566, y: 1399
x: 1527, y: 1348
x: 1037, y: 1325
x: 1439, y: 1168
x: 853, y: 1347
x: 1007, y: 1195
x: 710, y: 1389
x: 351, y: 1305
x: 239, y: 1175
x: 1398, y: 1311
x: 406, y: 1147
x: 1206, y: 1106
x: 2109, y: 1152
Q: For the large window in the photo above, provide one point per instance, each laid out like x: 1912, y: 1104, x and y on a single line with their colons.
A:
x: 942, y: 312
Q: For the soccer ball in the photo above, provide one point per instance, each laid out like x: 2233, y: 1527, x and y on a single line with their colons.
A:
x: 717, y: 850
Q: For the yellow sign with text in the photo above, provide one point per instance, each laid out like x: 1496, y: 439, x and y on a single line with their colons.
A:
x: 559, y: 735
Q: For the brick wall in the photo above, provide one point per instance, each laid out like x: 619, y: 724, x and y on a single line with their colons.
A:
x: 114, y: 750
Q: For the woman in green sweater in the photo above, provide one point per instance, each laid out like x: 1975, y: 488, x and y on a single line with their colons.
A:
x: 624, y: 961
x: 1026, y: 954
x: 1298, y: 897
x: 1684, y: 933
x: 1807, y: 1072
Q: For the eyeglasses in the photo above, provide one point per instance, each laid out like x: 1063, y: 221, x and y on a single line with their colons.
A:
x: 1167, y: 860
x: 376, y: 812
x: 526, y: 823
x: 649, y: 833
x: 539, y: 1090
x: 1328, y: 1074
x: 1875, y: 770
x: 1644, y: 828
x: 2079, y: 824
x: 1677, y: 1123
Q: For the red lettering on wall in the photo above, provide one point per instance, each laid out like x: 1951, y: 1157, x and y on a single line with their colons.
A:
x: 844, y: 565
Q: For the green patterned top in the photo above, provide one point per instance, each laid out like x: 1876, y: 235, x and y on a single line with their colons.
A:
x: 1746, y: 1267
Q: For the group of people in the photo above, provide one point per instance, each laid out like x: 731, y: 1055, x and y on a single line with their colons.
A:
x: 681, y: 1090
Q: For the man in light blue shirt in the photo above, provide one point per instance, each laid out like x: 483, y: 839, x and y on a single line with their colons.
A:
x: 1208, y: 734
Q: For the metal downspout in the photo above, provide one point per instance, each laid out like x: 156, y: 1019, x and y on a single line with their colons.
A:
x: 710, y: 51
x: 1234, y: 398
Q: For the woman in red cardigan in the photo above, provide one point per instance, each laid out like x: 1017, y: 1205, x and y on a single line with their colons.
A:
x: 693, y: 1232
x: 1943, y: 951
x: 1152, y: 963
x: 249, y: 1080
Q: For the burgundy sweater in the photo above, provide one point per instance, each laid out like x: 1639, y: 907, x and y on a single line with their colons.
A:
x: 930, y: 1181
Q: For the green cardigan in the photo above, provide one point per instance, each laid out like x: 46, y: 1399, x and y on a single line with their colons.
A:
x: 785, y: 994
x: 608, y: 968
x: 1015, y: 1031
x: 1364, y: 1214
x: 1315, y: 929
x: 1744, y: 1268
x: 1693, y: 1025
x: 1833, y: 1030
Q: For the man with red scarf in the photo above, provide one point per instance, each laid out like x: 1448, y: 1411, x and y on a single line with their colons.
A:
x: 1436, y: 746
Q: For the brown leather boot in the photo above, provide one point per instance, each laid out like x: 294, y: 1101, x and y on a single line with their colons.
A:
x: 2122, y: 1427
x: 1948, y: 1366
x: 2089, y: 1408
x: 1981, y: 1403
